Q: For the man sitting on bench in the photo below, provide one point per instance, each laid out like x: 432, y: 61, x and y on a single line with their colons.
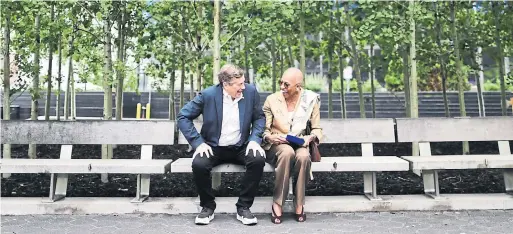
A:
x: 230, y: 110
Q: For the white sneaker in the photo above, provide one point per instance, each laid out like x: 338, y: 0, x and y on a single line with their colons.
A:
x: 244, y: 215
x: 205, y: 216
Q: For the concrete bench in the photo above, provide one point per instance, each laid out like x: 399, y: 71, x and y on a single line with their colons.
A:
x: 426, y: 130
x: 362, y: 131
x: 68, y: 133
x: 365, y: 132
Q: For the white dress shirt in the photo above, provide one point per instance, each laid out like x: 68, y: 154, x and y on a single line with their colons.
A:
x: 230, y: 129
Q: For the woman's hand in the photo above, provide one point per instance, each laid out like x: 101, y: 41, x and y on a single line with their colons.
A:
x: 276, y: 139
x: 309, y: 139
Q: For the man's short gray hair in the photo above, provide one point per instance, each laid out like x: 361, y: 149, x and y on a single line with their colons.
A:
x: 229, y: 72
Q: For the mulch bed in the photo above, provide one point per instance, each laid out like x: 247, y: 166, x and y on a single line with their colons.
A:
x: 325, y: 184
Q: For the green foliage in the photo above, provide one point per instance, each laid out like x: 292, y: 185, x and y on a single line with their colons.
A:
x: 394, y: 83
x: 154, y: 34
x: 315, y: 83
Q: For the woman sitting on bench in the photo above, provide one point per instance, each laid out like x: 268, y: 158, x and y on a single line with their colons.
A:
x: 285, y: 140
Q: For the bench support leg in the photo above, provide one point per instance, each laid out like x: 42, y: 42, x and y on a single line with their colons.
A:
x: 58, y: 187
x: 431, y: 186
x: 369, y: 178
x: 505, y: 150
x: 216, y: 180
x: 370, y: 188
x: 107, y: 153
x: 143, y: 188
x: 59, y: 181
x: 143, y: 180
x: 290, y: 195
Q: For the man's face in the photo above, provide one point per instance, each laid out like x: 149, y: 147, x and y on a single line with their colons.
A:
x: 235, y: 87
x: 288, y: 86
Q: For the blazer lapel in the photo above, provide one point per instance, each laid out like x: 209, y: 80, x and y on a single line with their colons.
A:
x: 284, y: 111
x: 219, y: 106
x: 242, y: 111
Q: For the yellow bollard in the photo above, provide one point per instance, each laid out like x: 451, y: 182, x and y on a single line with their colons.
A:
x: 138, y: 111
x: 147, y: 110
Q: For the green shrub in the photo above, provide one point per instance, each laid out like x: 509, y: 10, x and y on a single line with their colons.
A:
x: 315, y: 83
x: 394, y: 83
x: 264, y: 84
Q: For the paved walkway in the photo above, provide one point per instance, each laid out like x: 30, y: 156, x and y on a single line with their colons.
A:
x: 401, y: 222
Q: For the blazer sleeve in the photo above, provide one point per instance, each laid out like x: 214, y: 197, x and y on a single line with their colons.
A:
x: 268, y: 117
x: 185, y: 117
x: 315, y: 119
x: 257, y: 120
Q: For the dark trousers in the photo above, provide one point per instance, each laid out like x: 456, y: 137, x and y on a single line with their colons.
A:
x: 202, y: 166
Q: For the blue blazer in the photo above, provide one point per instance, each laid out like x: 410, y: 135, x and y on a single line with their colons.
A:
x: 209, y: 102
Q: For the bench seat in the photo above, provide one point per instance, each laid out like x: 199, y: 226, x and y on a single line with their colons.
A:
x: 441, y: 162
x: 360, y: 164
x: 340, y: 164
x: 184, y: 165
x: 116, y: 166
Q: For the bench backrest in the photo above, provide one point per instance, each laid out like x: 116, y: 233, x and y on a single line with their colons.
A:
x: 358, y: 131
x: 346, y: 131
x: 455, y: 129
x: 142, y: 132
x: 181, y: 137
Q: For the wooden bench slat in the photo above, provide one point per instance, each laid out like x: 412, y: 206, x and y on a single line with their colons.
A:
x: 358, y: 131
x: 361, y: 164
x: 345, y: 131
x: 455, y: 129
x: 347, y: 164
x: 126, y: 132
x: 184, y: 165
x: 86, y: 166
x: 442, y: 162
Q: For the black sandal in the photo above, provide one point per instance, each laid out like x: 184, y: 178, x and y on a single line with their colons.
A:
x: 275, y: 218
x: 301, y: 217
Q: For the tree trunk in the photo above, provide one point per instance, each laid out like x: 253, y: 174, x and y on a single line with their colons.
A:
x: 107, y: 85
x: 59, y: 81
x: 70, y: 77
x: 330, y: 67
x: 372, y: 72
x: 500, y: 55
x: 7, y: 82
x: 172, y: 115
x: 182, y: 74
x: 49, y: 78
x: 198, y: 73
x: 273, y: 64
x: 246, y: 55
x: 480, y: 78
x: 459, y: 72
x: 291, y: 58
x: 342, y: 89
x: 406, y: 75
x: 35, y: 85
x: 441, y: 60
x: 73, y: 97
x: 281, y: 57
x: 191, y: 83
x: 216, y: 42
x: 199, y: 50
x: 412, y: 82
x: 356, y: 65
x: 302, y: 63
x: 120, y: 73
x: 341, y: 66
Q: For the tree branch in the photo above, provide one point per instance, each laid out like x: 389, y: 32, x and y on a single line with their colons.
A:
x: 235, y: 33
x: 188, y: 30
x: 96, y: 37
